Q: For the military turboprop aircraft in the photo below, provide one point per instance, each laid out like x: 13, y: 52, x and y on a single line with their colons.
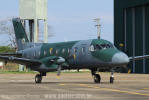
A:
x: 93, y: 54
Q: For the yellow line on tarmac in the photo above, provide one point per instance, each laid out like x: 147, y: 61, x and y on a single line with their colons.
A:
x: 62, y: 84
x: 89, y: 86
x: 146, y: 88
x: 122, y: 91
x: 82, y: 84
x: 97, y: 87
x: 109, y: 89
x: 128, y: 92
x: 58, y: 77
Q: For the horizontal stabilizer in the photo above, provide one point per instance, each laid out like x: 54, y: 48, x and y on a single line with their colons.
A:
x: 11, y: 54
x: 18, y: 60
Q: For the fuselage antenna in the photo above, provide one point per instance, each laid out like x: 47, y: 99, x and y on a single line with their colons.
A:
x: 97, y: 20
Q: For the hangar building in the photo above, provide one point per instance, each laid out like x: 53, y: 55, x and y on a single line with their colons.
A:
x: 131, y: 31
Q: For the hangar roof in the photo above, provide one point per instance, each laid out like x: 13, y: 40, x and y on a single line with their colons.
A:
x: 130, y: 3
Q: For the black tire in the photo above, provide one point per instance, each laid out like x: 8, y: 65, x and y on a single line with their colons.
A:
x: 38, y: 78
x: 111, y: 80
x: 97, y: 78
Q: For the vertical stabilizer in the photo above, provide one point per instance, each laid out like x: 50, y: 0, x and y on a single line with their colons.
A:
x: 20, y: 34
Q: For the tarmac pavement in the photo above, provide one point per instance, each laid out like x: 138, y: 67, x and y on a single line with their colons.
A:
x: 74, y: 86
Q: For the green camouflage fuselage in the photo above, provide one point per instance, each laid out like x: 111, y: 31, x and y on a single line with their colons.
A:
x: 78, y: 54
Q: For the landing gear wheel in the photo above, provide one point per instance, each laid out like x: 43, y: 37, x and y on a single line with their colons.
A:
x: 112, y: 76
x: 111, y: 80
x: 97, y: 78
x: 38, y: 78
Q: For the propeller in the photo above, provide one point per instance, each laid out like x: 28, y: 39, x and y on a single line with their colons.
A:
x: 59, y: 70
x: 5, y: 63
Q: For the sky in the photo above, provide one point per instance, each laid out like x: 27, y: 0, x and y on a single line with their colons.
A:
x: 70, y: 20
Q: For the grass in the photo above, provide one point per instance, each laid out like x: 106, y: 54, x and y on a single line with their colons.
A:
x: 16, y: 72
x: 35, y: 72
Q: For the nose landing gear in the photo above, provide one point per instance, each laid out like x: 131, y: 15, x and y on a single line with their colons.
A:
x: 112, y: 77
x: 97, y: 78
x: 38, y: 77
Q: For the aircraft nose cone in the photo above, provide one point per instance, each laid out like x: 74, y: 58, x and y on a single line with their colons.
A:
x: 120, y: 58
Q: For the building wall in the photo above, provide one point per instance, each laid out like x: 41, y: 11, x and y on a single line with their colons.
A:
x: 33, y: 9
x: 131, y: 28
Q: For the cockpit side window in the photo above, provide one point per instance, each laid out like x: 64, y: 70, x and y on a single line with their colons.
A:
x: 91, y: 48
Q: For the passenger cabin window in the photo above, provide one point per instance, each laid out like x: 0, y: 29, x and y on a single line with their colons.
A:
x: 68, y: 50
x: 75, y: 49
x: 83, y: 50
x: 44, y: 52
x: 63, y: 51
x: 39, y: 53
x: 51, y: 49
x: 56, y: 51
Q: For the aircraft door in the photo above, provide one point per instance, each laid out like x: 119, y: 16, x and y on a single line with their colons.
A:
x: 76, y: 55
x: 81, y: 54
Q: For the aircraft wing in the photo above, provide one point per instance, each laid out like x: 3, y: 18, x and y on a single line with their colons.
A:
x: 138, y: 57
x: 18, y: 60
x: 12, y: 54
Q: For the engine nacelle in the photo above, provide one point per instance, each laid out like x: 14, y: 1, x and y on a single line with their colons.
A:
x: 60, y: 60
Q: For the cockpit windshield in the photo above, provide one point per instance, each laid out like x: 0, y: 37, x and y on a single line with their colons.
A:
x: 105, y: 46
x: 101, y: 46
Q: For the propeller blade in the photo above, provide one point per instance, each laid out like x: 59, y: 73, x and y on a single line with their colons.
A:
x: 59, y: 70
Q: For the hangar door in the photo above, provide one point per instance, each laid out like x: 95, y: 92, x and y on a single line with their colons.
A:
x: 136, y: 34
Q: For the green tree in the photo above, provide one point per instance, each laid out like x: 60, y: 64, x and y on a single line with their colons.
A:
x: 6, y: 49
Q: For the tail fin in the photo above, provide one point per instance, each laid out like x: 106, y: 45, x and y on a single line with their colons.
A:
x: 20, y: 34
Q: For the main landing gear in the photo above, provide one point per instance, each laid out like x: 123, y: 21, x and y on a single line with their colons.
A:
x: 97, y: 77
x: 38, y: 77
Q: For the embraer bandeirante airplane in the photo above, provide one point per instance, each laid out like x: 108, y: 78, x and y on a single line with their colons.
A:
x: 93, y: 54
